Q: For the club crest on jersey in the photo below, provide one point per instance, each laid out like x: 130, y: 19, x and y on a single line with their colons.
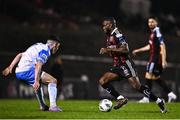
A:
x: 44, y: 56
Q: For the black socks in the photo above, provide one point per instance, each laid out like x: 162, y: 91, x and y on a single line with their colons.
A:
x: 145, y: 90
x: 110, y: 89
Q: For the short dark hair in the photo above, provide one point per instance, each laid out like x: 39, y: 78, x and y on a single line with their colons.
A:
x: 54, y: 37
x: 153, y: 17
x: 111, y: 19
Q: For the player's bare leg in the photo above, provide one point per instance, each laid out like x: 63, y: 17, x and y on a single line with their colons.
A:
x: 105, y: 83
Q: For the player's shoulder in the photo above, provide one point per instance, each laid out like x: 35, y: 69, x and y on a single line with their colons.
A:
x: 116, y: 32
x: 157, y: 31
x: 36, y: 48
x: 41, y: 46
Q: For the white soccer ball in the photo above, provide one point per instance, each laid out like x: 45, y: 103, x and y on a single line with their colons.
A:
x: 105, y: 105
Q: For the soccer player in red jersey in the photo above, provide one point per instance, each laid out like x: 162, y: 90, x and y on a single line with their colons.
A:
x: 157, y: 59
x: 123, y: 67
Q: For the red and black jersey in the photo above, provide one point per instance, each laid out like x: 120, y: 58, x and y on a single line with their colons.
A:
x: 113, y: 41
x: 155, y: 40
x: 123, y: 65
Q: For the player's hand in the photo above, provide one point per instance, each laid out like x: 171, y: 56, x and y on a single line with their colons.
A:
x: 103, y: 51
x: 164, y: 64
x: 134, y: 52
x: 36, y: 86
x: 7, y: 71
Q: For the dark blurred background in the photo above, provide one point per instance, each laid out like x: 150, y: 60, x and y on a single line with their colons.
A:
x: 78, y: 23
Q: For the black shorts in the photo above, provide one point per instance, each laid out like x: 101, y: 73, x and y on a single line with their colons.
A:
x: 125, y: 70
x: 154, y: 68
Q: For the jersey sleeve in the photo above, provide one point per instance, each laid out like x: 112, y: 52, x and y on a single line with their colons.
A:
x: 159, y: 36
x: 119, y: 36
x: 161, y: 40
x: 43, y: 56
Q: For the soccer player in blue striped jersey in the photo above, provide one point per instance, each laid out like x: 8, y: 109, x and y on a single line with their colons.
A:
x: 157, y: 59
x: 29, y: 69
x: 123, y: 66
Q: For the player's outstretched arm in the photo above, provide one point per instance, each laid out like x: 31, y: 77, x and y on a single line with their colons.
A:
x: 143, y: 49
x: 103, y: 51
x: 122, y: 49
x: 8, y: 70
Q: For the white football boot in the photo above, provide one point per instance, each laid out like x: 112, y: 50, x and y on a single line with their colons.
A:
x: 171, y: 96
x: 144, y: 100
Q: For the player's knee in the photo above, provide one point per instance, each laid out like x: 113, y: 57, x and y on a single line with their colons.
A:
x: 102, y: 81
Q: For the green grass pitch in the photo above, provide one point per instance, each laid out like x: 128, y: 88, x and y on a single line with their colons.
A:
x: 84, y: 109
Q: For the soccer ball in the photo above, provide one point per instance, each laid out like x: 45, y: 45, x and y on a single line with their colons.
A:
x: 105, y: 105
